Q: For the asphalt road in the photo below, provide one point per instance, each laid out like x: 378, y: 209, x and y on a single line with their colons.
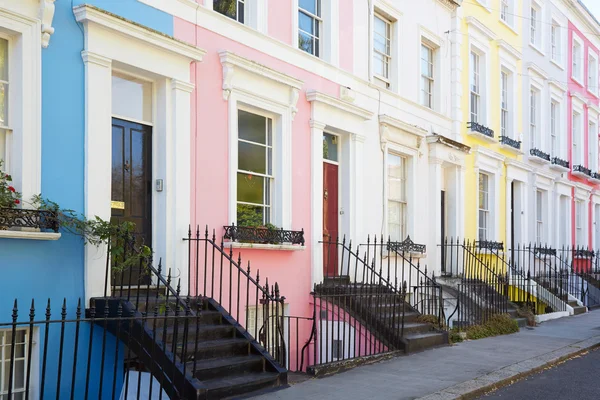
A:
x: 575, y: 379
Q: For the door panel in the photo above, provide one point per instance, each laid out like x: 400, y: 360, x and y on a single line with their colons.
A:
x: 330, y: 219
x: 132, y: 185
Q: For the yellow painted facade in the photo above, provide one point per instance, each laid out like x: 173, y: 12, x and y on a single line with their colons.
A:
x: 483, y: 29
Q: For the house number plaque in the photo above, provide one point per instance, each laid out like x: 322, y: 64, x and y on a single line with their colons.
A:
x: 118, y: 205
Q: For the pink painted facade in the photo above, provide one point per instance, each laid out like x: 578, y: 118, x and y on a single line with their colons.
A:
x: 578, y: 89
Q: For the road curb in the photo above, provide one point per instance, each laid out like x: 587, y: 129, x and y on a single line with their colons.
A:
x: 511, y: 373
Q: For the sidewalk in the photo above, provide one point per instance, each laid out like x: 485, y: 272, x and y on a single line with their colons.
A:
x: 449, y: 372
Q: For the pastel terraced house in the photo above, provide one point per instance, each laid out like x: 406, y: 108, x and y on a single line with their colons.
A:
x: 312, y: 182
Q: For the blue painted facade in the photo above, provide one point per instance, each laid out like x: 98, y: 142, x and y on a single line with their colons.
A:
x: 42, y: 270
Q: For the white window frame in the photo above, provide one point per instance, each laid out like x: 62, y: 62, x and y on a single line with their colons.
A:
x: 577, y: 137
x: 554, y: 128
x: 475, y: 88
x: 592, y: 142
x: 535, y: 26
x: 534, y: 118
x: 507, y: 12
x: 428, y: 97
x: 505, y: 103
x: 237, y: 14
x: 404, y: 219
x: 579, y: 222
x: 487, y: 211
x: 592, y: 76
x: 32, y: 336
x: 317, y: 21
x: 384, y: 81
x: 555, y: 42
x: 540, y: 197
x: 577, y: 62
x: 272, y: 177
x: 23, y: 144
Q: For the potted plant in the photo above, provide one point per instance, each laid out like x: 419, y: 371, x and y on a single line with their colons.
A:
x: 9, y: 197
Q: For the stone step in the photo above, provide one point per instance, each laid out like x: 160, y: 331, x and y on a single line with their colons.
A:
x: 415, y: 327
x: 521, y: 322
x: 202, y: 318
x: 233, y: 385
x: 202, y: 332
x: 421, y: 341
x: 217, y: 367
x: 573, y: 303
x: 215, y: 348
x: 579, y: 310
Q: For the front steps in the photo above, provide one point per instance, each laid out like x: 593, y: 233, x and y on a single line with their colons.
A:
x: 226, y: 360
x: 577, y: 309
x: 384, y: 321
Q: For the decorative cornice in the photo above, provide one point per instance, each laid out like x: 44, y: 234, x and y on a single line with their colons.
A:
x: 47, y: 15
x: 86, y: 13
x: 231, y: 62
x: 503, y: 45
x: 451, y: 4
x: 557, y: 85
x: 537, y: 70
x: 517, y: 164
x: 593, y: 108
x: 315, y: 96
x: 484, y: 30
x: 316, y: 124
x: 436, y: 138
x: 579, y: 97
x: 182, y: 85
x: 386, y: 120
x: 484, y: 151
x: 89, y: 57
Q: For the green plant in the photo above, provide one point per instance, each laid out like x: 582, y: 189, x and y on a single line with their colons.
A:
x: 454, y: 336
x: 123, y: 250
x: 9, y: 197
x: 437, y: 323
x: 501, y: 324
x: 526, y: 311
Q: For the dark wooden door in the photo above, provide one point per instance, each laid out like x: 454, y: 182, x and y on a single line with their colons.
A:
x: 330, y: 219
x: 132, y: 186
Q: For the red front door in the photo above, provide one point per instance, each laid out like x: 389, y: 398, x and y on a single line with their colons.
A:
x: 330, y: 219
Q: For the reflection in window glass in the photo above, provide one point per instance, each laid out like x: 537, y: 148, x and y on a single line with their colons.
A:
x: 330, y: 147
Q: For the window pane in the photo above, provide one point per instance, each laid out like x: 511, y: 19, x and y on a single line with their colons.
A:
x: 305, y: 42
x: 248, y: 215
x: 305, y: 23
x: 378, y: 65
x: 252, y: 127
x: 309, y: 5
x: 4, y: 59
x: 4, y: 104
x: 250, y: 188
x: 396, y: 220
x: 330, y: 148
x: 225, y: 7
x: 131, y: 98
x: 251, y: 157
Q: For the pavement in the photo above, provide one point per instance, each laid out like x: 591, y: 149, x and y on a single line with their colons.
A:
x: 576, y: 378
x: 461, y: 371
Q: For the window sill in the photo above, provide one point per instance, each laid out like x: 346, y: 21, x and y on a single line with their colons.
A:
x: 559, y: 168
x: 31, y: 235
x: 413, y: 255
x: 533, y: 46
x: 511, y: 149
x: 577, y: 81
x: 538, y: 160
x: 592, y: 93
x: 261, y: 246
x: 580, y: 174
x: 481, y: 136
x: 557, y: 64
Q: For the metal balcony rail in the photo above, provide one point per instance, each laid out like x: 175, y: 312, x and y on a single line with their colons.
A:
x: 477, y: 127
x: 34, y: 219
x: 508, y: 141
x: 540, y: 154
x: 262, y: 235
x: 560, y: 162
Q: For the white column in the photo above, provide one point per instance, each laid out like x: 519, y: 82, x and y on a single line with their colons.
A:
x: 98, y: 164
x: 460, y: 214
x: 179, y: 172
x: 506, y: 239
x: 435, y: 196
x: 316, y: 135
x: 354, y: 212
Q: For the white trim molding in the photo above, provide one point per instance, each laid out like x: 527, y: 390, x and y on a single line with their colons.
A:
x: 47, y: 13
x: 315, y: 96
x: 111, y: 41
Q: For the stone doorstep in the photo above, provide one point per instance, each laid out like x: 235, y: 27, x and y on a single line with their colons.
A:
x: 511, y: 373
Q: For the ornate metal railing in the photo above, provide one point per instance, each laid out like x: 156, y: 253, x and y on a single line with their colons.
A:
x: 545, y: 251
x: 540, y: 154
x: 406, y: 246
x: 582, y: 169
x: 477, y: 127
x: 490, y: 245
x: 510, y: 142
x: 582, y: 253
x: 560, y: 162
x: 596, y: 176
x: 247, y: 234
x: 35, y: 219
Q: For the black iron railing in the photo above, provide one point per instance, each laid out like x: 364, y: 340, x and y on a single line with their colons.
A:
x: 477, y: 127
x: 35, y: 219
x: 582, y: 169
x: 406, y: 246
x: 596, y: 176
x: 508, y: 141
x: 262, y: 235
x: 560, y: 162
x: 539, y: 154
x: 489, y: 245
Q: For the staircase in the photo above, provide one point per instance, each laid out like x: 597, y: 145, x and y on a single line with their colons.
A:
x: 577, y: 309
x: 194, y: 347
x: 384, y: 314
